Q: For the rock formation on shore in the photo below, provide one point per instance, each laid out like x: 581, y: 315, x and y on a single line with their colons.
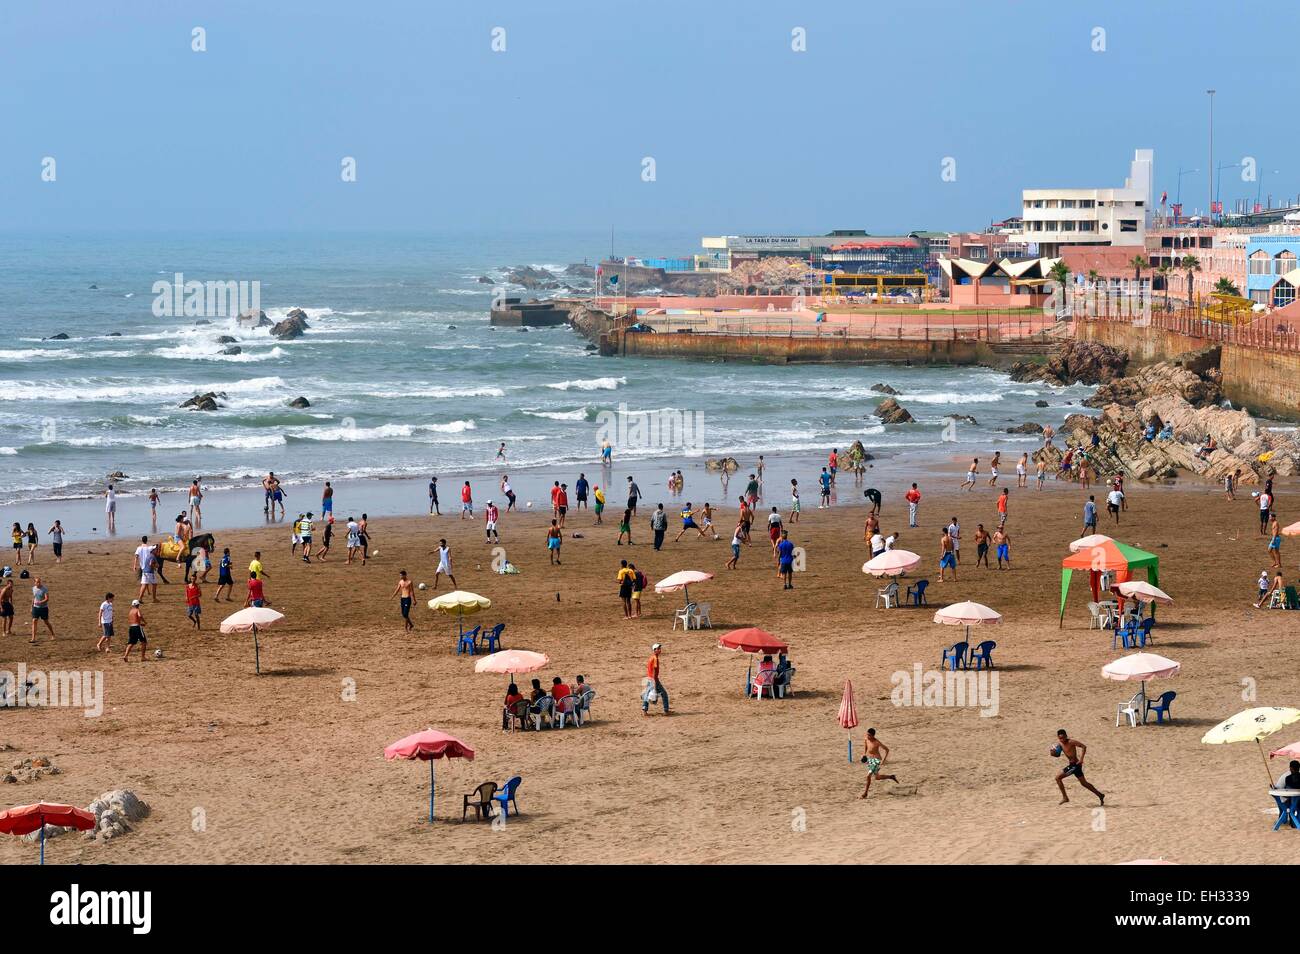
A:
x: 728, y: 464
x: 293, y: 325
x: 885, y: 389
x: 891, y: 412
x: 204, y: 402
x: 1074, y: 362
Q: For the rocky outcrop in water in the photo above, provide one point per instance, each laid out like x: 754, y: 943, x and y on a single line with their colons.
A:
x: 1074, y: 362
x: 884, y: 389
x: 293, y: 326
x: 253, y: 319
x: 300, y: 403
x: 891, y: 412
x: 204, y: 402
x: 722, y: 464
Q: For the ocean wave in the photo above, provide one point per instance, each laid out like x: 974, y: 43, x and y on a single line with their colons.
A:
x: 588, y: 384
x: 382, y: 432
x: 109, y: 389
x: 38, y: 354
x: 8, y: 451
x: 950, y: 397
x: 439, y: 392
x: 213, y: 353
x: 247, y: 442
x: 581, y: 414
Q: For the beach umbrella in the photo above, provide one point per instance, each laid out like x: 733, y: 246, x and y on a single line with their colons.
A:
x: 968, y: 614
x: 249, y: 619
x: 848, y: 714
x: 26, y: 819
x: 1141, y: 667
x: 1144, y: 591
x: 427, y: 746
x: 459, y: 603
x: 1252, y: 725
x: 681, y: 580
x: 1090, y: 541
x: 752, y: 640
x: 1291, y: 529
x: 892, y: 563
x: 1291, y: 751
x: 510, y: 661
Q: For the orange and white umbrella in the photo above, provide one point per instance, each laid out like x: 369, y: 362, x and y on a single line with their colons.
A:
x: 848, y: 714
x: 1090, y: 541
x: 1144, y: 591
x: 892, y: 563
x: 25, y: 819
x: 250, y: 619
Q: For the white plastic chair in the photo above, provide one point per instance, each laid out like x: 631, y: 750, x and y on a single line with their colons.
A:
x: 763, y: 679
x: 583, y: 707
x: 684, y: 616
x: 1277, y: 600
x: 1129, y: 709
x: 566, y: 708
x: 701, y: 616
x: 1098, y: 619
x: 889, y: 594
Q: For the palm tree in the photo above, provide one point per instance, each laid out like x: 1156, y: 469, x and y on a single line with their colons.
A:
x: 1138, y: 262
x: 1190, y: 264
x: 1163, y: 271
x: 1060, y: 273
x: 1224, y: 286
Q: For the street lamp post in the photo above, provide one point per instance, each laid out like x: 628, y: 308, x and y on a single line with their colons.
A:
x: 1209, y: 209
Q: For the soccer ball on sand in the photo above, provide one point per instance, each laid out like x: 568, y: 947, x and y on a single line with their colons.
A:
x: 157, y: 654
x: 423, y: 586
x: 374, y: 553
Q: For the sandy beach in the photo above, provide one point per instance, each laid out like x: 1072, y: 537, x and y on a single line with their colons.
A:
x: 288, y: 766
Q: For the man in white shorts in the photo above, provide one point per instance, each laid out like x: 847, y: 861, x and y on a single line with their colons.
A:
x: 110, y: 507
x: 444, y: 564
x: 490, y: 524
x: 1022, y: 473
x: 954, y: 531
x: 993, y: 468
x: 971, y: 474
x: 144, y: 557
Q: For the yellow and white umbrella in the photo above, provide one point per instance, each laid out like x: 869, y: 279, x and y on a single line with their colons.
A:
x: 1252, y: 725
x: 459, y: 603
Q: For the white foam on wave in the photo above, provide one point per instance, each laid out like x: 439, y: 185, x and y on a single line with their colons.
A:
x: 8, y: 451
x: 90, y: 389
x: 247, y: 442
x: 213, y: 352
x: 579, y: 415
x: 382, y: 432
x: 588, y: 384
x: 439, y: 392
x: 950, y: 397
x: 37, y: 354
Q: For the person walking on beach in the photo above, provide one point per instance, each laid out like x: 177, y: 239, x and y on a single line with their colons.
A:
x: 363, y: 537
x: 625, y: 527
x: 825, y: 480
x: 225, y: 578
x: 255, y: 567
x: 33, y: 539
x: 1042, y: 474
x: 508, y: 492
x: 268, y: 485
x: 638, y: 586
x: 913, y: 498
x: 1275, y: 541
x: 654, y: 685
x: 110, y: 508
x: 196, y: 502
x: 555, y: 501
x: 466, y: 501
x: 981, y: 545
x: 135, y: 632
x: 326, y: 501
x: 305, y: 534
x: 774, y: 530
x: 606, y: 453
x: 562, y: 504
x: 954, y: 531
x: 659, y: 526
x: 633, y: 495
x: 7, y: 602
x: 56, y: 540
x: 580, y: 489
x: 972, y: 475
x: 946, y: 559
x: 501, y: 451
x: 327, y: 539
x: 405, y: 594
x: 40, y: 607
x: 1002, y: 540
x: 794, y: 500
x: 153, y: 507
x: 433, y: 496
x: 554, y: 537
x: 1022, y: 470
x: 444, y: 564
x: 194, y: 603
x: 785, y: 561
x: 1003, y: 498
x: 1114, y: 500
x: 144, y: 559
x: 993, y: 468
x: 105, y: 617
x: 598, y: 496
x: 1074, y: 750
x: 1089, y: 516
x: 490, y: 515
x: 751, y: 490
x: 736, y: 539
x: 875, y: 759
x: 1265, y: 508
x: 626, y: 578
x: 1230, y: 483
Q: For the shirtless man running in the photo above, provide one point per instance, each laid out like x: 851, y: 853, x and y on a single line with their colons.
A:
x: 405, y: 594
x: 1074, y: 750
x: 877, y: 755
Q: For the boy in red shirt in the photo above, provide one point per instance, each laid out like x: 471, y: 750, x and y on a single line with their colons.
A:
x: 193, y: 604
x: 255, y: 595
x: 913, y: 498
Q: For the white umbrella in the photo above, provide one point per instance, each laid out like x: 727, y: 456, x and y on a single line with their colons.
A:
x: 892, y: 563
x: 1140, y: 667
x: 1142, y: 590
x: 968, y: 614
x: 248, y: 620
x: 1090, y: 541
x: 681, y: 580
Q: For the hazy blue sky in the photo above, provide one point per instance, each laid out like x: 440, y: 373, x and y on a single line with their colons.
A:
x: 746, y: 134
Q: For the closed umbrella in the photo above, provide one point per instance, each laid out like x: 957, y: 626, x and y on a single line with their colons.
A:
x: 429, y: 745
x: 26, y: 819
x: 248, y: 620
x: 459, y: 603
x: 752, y: 640
x: 848, y: 714
x: 1252, y: 725
x: 892, y: 563
x: 1140, y: 667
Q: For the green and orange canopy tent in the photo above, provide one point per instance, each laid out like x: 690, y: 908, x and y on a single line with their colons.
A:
x: 1110, y: 556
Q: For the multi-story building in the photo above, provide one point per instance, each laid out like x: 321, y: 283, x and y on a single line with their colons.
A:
x: 847, y: 250
x: 1054, y: 218
x: 1272, y: 274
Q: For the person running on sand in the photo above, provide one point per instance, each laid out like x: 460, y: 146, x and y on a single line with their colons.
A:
x: 225, y: 577
x: 490, y: 515
x: 1074, y: 750
x: 1114, y: 500
x: 736, y: 539
x: 794, y: 501
x: 626, y: 579
x: 509, y: 493
x: 135, y: 632
x: 598, y: 506
x: 105, y: 617
x: 1002, y: 540
x: 40, y: 607
x: 785, y: 561
x: 981, y: 545
x: 875, y: 759
x: 444, y: 564
x: 327, y: 538
x: 946, y: 559
x: 625, y: 527
x: 688, y: 523
x: 554, y: 537
x: 405, y: 593
x: 706, y: 520
x: 972, y: 475
x: 1022, y: 470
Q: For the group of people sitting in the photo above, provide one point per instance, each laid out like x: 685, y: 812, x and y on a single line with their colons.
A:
x: 1166, y: 432
x: 775, y: 674
x: 539, y: 702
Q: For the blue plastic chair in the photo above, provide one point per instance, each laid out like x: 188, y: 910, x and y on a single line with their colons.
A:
x: 506, y: 795
x: 468, y: 642
x: 957, y: 655
x: 1126, y: 635
x: 1161, y: 706
x: 491, y: 639
x: 982, y: 655
x: 916, y: 593
x: 1288, y: 807
x: 1146, y: 629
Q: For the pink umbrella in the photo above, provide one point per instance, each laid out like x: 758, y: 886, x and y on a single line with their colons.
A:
x: 968, y: 614
x: 681, y: 580
x: 1291, y: 529
x: 1090, y: 541
x: 892, y: 563
x: 248, y: 620
x: 511, y: 661
x: 1142, y: 590
x: 429, y: 745
x: 26, y: 819
x: 1140, y: 667
x: 848, y: 714
x: 1291, y: 751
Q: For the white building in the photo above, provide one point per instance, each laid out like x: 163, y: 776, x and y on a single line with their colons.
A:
x: 1056, y: 217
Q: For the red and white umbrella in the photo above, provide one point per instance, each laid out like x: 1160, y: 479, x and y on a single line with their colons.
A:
x: 428, y: 746
x: 892, y: 563
x: 968, y: 614
x: 681, y: 580
x: 1291, y: 529
x: 250, y: 619
x: 1141, y: 667
x: 26, y: 819
x: 847, y: 717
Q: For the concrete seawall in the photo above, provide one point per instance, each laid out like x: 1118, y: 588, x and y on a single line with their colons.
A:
x: 772, y: 349
x: 1264, y: 382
